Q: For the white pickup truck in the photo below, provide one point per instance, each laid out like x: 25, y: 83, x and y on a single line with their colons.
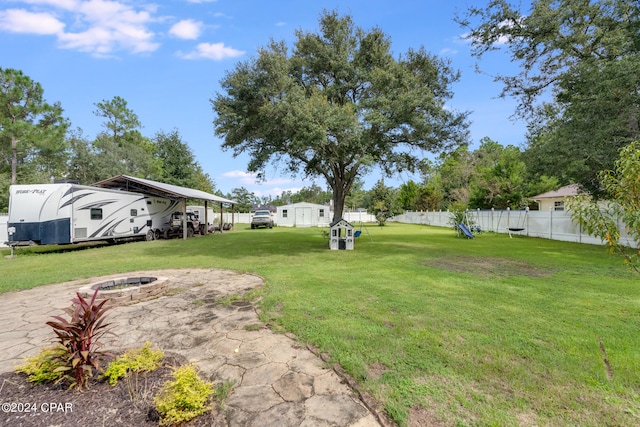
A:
x: 261, y: 219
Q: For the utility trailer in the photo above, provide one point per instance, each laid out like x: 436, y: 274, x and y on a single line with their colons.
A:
x: 70, y: 213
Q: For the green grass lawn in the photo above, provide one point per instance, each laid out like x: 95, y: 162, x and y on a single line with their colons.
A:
x: 490, y: 331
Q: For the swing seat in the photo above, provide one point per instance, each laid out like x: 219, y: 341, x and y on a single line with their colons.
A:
x: 357, y: 233
x: 514, y: 230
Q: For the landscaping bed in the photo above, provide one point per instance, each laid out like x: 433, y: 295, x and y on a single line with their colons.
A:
x: 128, y: 403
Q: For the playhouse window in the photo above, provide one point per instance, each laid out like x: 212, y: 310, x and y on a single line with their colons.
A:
x: 96, y: 213
x: 284, y: 213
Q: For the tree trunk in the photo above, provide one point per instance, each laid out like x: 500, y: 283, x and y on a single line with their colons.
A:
x: 14, y: 161
x: 339, y: 196
x: 341, y: 185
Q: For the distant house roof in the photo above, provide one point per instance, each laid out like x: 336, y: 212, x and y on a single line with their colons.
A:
x: 257, y: 207
x: 566, y: 191
x: 141, y: 185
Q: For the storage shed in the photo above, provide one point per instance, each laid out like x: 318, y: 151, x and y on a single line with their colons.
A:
x: 341, y: 235
x: 303, y: 214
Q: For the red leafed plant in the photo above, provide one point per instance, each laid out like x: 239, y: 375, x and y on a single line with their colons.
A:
x: 80, y: 336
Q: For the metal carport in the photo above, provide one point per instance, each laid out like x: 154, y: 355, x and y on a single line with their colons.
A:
x: 155, y: 188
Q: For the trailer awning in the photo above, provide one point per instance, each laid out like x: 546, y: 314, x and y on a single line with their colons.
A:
x: 146, y: 186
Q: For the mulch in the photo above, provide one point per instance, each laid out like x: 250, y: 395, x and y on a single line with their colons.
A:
x: 128, y: 403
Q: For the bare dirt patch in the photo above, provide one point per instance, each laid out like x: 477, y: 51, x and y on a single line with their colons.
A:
x: 377, y: 370
x: 487, y: 266
x: 420, y: 417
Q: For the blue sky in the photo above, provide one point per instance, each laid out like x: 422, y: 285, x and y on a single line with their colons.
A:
x: 167, y: 57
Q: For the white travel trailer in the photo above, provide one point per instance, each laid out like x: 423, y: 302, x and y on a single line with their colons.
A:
x: 71, y: 213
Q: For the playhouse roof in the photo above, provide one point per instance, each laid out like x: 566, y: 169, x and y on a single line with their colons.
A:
x: 344, y: 221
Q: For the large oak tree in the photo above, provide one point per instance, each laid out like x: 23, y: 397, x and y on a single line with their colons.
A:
x: 578, y: 83
x: 337, y: 104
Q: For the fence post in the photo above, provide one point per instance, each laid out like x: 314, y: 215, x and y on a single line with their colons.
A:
x: 551, y: 223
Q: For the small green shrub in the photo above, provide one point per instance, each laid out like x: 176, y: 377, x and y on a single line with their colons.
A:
x: 79, y: 336
x: 136, y: 360
x: 223, y: 391
x: 183, y: 398
x: 458, y: 211
x: 43, y: 368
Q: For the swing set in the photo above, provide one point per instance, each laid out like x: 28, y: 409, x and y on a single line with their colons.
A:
x: 522, y: 218
x: 359, y: 232
x: 467, y: 227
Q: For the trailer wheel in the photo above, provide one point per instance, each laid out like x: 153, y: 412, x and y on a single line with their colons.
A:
x: 157, y: 234
x: 150, y: 235
x: 166, y: 234
x: 189, y: 231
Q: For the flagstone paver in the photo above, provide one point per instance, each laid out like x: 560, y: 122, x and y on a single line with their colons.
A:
x: 277, y: 382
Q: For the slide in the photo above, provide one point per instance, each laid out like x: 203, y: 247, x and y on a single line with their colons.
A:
x: 465, y: 230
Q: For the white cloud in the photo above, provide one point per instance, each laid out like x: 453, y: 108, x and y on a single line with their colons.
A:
x: 281, y: 24
x: 448, y: 51
x: 215, y: 51
x: 251, y: 178
x: 99, y: 27
x: 23, y: 21
x: 245, y: 177
x: 187, y: 29
x: 63, y: 4
x: 201, y: 1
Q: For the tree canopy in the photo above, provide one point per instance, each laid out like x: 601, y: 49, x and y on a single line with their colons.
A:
x: 604, y: 220
x: 29, y: 127
x: 336, y: 105
x: 579, y: 79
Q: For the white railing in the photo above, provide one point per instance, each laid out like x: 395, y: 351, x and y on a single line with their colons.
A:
x: 555, y: 225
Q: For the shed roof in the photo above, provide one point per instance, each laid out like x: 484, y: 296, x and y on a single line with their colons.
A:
x: 304, y: 204
x: 566, y: 191
x: 141, y: 185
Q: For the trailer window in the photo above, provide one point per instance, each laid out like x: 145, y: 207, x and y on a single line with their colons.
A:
x: 96, y: 213
x: 134, y: 212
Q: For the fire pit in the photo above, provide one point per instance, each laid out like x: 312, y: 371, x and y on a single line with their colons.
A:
x: 126, y: 290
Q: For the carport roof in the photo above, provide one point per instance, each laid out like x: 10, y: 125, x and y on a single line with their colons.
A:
x: 141, y: 185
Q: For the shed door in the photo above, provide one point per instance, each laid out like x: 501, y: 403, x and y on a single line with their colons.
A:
x: 303, y: 217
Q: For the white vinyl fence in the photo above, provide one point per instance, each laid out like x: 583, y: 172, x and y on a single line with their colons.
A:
x: 555, y: 225
x: 245, y: 218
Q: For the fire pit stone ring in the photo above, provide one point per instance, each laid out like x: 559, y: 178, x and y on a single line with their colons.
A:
x: 126, y: 290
